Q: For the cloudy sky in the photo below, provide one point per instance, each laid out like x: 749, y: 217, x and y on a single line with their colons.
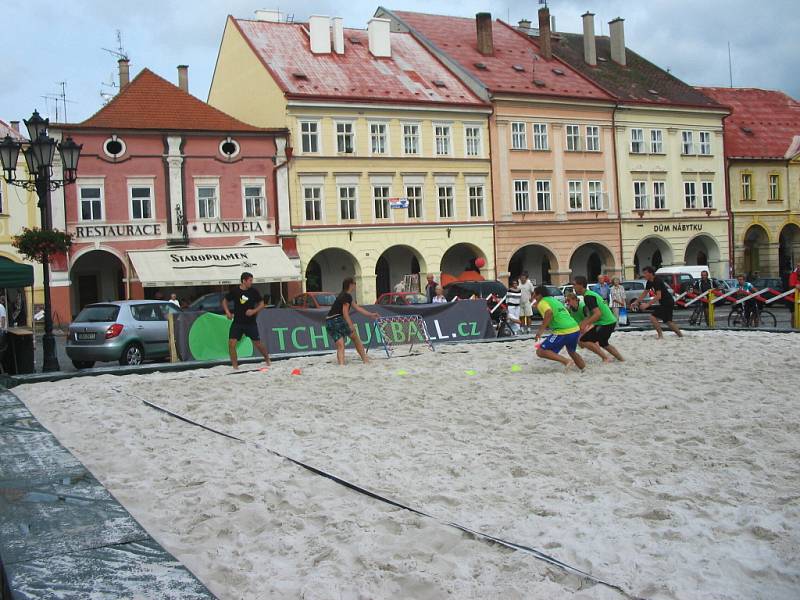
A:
x: 53, y: 42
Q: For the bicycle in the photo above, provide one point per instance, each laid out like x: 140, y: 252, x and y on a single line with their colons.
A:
x: 760, y: 317
x: 699, y: 314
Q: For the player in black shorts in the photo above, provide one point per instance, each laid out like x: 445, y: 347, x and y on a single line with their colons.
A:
x: 663, y: 311
x: 247, y: 303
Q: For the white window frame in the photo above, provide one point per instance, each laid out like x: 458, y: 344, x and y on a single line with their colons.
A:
x: 573, y: 133
x: 473, y: 199
x: 91, y: 183
x: 575, y: 194
x: 381, y: 184
x: 690, y: 199
x: 254, y: 182
x: 347, y: 185
x: 522, y: 195
x: 637, y: 140
x: 372, y: 138
x: 344, y: 135
x: 540, y: 132
x: 594, y: 196
x: 448, y: 138
x: 450, y: 200
x: 418, y: 207
x: 593, y: 138
x: 704, y: 147
x: 317, y: 136
x: 687, y: 143
x: 416, y: 137
x: 547, y: 195
x: 640, y: 199
x: 707, y: 194
x: 773, y: 191
x: 519, y: 135
x: 313, y: 185
x: 476, y: 141
x: 142, y: 183
x: 659, y: 196
x: 207, y: 183
x: 746, y: 186
x: 656, y: 141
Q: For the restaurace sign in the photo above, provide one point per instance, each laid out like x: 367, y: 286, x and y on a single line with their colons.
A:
x: 665, y: 227
x: 90, y: 231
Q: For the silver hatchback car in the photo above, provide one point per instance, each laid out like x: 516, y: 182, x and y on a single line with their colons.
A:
x: 128, y: 331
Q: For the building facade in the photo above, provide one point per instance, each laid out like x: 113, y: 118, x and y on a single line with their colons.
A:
x: 390, y: 175
x: 166, y: 183
x: 762, y: 150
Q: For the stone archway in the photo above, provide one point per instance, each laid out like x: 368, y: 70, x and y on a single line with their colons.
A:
x: 756, y: 261
x: 537, y: 260
x: 461, y: 257
x: 591, y: 260
x: 652, y: 251
x: 394, y: 264
x: 328, y: 268
x: 704, y: 250
x: 788, y: 249
x: 96, y: 276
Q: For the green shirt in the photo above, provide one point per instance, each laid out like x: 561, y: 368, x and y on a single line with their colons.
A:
x: 607, y: 316
x: 577, y: 313
x: 562, y: 323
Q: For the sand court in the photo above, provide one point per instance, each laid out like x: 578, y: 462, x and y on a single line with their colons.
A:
x: 673, y: 475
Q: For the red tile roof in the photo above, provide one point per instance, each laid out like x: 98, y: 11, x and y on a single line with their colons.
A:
x: 516, y: 64
x: 411, y: 75
x: 6, y: 129
x: 150, y: 102
x: 764, y: 123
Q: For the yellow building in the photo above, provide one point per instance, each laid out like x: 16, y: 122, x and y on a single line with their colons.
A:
x: 762, y: 147
x: 390, y: 173
x: 18, y: 209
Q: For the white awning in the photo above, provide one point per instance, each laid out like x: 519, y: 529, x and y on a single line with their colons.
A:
x: 212, y: 266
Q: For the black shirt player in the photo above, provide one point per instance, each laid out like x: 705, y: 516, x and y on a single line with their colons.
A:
x: 662, y: 295
x: 247, y: 303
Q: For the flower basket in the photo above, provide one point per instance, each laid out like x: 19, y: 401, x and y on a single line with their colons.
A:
x: 35, y: 244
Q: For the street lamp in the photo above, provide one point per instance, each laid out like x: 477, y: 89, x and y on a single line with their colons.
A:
x: 39, y: 154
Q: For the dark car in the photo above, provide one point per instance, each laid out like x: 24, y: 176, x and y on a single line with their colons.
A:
x: 402, y: 298
x: 774, y: 283
x: 313, y: 300
x: 211, y: 303
x: 465, y: 290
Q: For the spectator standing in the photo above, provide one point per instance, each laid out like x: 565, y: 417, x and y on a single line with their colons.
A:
x: 617, y: 296
x: 173, y: 299
x: 513, y: 296
x: 430, y: 288
x: 603, y: 288
x: 439, y: 297
x: 3, y: 315
x: 794, y: 278
x: 526, y: 287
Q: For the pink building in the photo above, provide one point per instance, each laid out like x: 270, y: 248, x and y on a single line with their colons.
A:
x: 172, y: 196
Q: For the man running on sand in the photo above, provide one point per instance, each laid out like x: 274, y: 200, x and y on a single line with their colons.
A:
x: 339, y: 324
x: 598, y: 324
x: 565, y: 330
x: 665, y: 303
x: 247, y: 303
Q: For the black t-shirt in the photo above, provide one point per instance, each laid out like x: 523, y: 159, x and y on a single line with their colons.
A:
x: 338, y: 305
x: 704, y: 285
x: 659, y: 286
x: 243, y: 300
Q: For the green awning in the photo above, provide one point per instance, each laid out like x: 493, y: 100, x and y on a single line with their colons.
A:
x: 15, y: 275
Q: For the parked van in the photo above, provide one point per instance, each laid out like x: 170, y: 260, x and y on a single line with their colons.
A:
x: 680, y: 277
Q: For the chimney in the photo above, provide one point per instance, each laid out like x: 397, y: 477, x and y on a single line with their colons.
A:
x: 483, y: 26
x: 589, y: 45
x: 320, y: 32
x: 15, y: 126
x: 617, y: 30
x: 271, y: 15
x: 124, y: 72
x: 553, y: 24
x: 545, y: 44
x: 380, y: 44
x: 337, y: 35
x: 524, y: 24
x: 183, y: 77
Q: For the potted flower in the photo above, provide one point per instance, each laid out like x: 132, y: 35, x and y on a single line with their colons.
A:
x: 35, y: 244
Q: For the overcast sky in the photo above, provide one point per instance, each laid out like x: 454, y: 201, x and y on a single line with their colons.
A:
x: 48, y: 42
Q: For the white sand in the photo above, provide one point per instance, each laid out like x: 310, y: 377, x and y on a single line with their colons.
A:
x: 674, y: 475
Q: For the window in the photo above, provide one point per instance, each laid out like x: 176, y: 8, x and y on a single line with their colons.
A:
x: 705, y: 143
x: 575, y: 189
x: 595, y: 195
x: 414, y: 197
x: 442, y: 135
x: 207, y: 202
x: 522, y: 198
x: 637, y: 141
x: 659, y: 195
x: 543, y: 194
x: 141, y: 202
x: 540, y: 136
x: 476, y: 200
x: 229, y: 148
x: 411, y: 138
x: 707, y: 192
x: 690, y: 194
x: 747, y: 186
x: 774, y: 187
x: 445, y: 194
x: 473, y: 139
x: 688, y: 143
x: 380, y: 200
x: 573, y: 138
x: 347, y: 202
x: 309, y: 135
x: 377, y: 136
x: 254, y: 202
x: 519, y: 136
x: 312, y: 201
x: 345, y: 142
x: 91, y: 203
x: 592, y: 138
x: 640, y: 195
x: 656, y: 141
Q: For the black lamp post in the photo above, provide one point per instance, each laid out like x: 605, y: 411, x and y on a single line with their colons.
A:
x: 39, y: 153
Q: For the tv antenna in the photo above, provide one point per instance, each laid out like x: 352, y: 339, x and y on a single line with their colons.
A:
x: 120, y: 51
x: 109, y: 89
x: 59, y: 98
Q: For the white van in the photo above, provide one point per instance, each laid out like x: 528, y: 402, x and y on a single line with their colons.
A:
x: 681, y: 277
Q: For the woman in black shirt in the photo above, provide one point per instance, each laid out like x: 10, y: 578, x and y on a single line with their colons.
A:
x: 340, y: 325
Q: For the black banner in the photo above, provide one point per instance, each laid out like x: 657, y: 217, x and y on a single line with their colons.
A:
x: 203, y: 336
